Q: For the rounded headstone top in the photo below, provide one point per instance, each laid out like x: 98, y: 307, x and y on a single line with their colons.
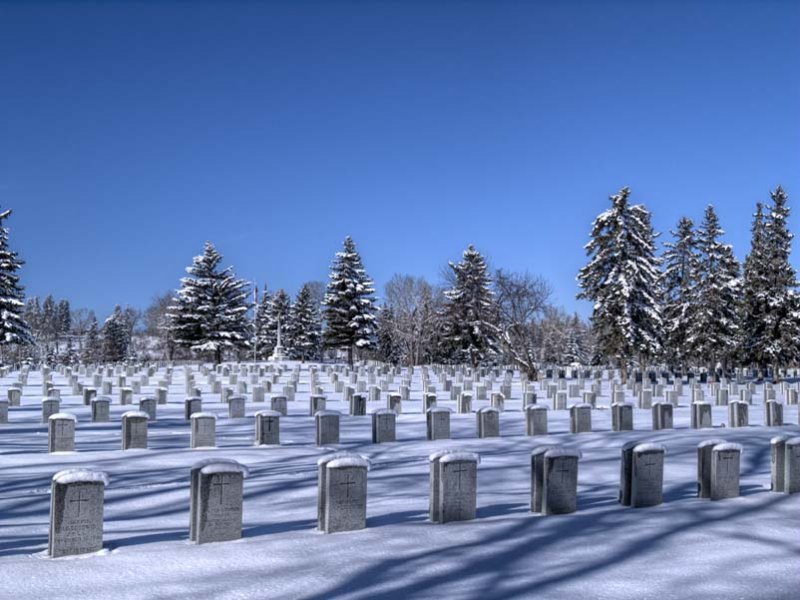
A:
x: 559, y: 452
x: 268, y: 413
x: 439, y: 409
x: 542, y: 449
x: 713, y: 442
x: 50, y: 399
x: 728, y: 446
x: 461, y: 457
x: 210, y: 461
x: 237, y: 397
x: 327, y: 413
x: 439, y: 454
x: 100, y: 399
x: 536, y: 407
x: 489, y: 409
x: 795, y: 441
x: 649, y: 447
x: 193, y: 398
x: 347, y: 462
x: 135, y: 413
x: 383, y: 411
x: 224, y: 466
x: 329, y: 457
x: 582, y: 405
x: 779, y: 439
x: 64, y: 416
x: 80, y: 476
x: 203, y: 415
x: 147, y: 398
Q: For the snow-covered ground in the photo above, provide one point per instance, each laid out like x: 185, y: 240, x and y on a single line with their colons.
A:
x: 748, y: 547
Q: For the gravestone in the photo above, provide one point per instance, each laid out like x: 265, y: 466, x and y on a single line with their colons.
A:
x: 258, y: 393
x: 464, y: 403
x: 437, y: 421
x: 774, y: 413
x: 725, y: 461
x: 488, y: 422
x: 76, y: 512
x: 383, y: 426
x: 791, y: 475
x: 278, y: 404
x: 622, y: 416
x: 777, y: 447
x: 3, y: 411
x: 458, y: 485
x: 358, y: 405
x: 560, y: 481
x: 528, y: 399
x: 345, y: 494
x: 134, y: 430
x: 88, y: 394
x: 738, y: 414
x: 537, y: 477
x: 14, y: 397
x: 236, y: 407
x: 498, y: 401
x: 395, y: 402
x: 161, y: 395
x: 268, y: 430
x: 662, y: 416
x: 149, y: 406
x: 192, y: 406
x: 315, y: 405
x: 647, y: 475
x: 428, y: 401
x: 61, y: 432
x: 101, y: 409
x: 701, y: 415
x: 327, y: 427
x: 203, y: 430
x: 536, y: 419
x: 433, y: 496
x: 580, y: 418
x: 704, y: 449
x: 322, y: 476
x: 560, y: 401
x: 216, y: 491
x: 125, y: 396
x: 50, y: 406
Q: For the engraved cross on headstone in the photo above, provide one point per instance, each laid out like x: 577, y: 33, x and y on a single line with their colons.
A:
x: 80, y: 499
x: 347, y: 483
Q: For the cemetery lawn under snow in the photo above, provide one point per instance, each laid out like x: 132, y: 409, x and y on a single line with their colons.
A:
x: 746, y: 547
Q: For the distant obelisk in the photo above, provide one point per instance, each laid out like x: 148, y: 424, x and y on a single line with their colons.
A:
x: 277, y: 353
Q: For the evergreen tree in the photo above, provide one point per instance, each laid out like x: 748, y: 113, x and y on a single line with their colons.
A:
x: 754, y: 295
x: 303, y: 328
x: 471, y: 312
x: 781, y: 326
x: 278, y: 313
x: 678, y: 285
x: 92, y: 349
x: 265, y: 342
x: 622, y: 279
x: 210, y: 310
x: 574, y: 349
x: 349, y: 305
x: 13, y: 328
x: 386, y: 347
x: 713, y: 328
x: 115, y: 337
x: 49, y: 322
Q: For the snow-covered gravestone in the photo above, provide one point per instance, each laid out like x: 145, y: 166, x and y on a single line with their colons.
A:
x: 14, y: 396
x: 50, y: 406
x: 236, y: 407
x: 488, y: 422
x: 777, y: 446
x: 76, y: 512
x: 192, y: 406
x: 704, y: 449
x: 100, y: 409
x: 134, y: 430
x: 580, y: 418
x: 278, y: 404
x: 458, y: 486
x: 322, y: 476
x: 701, y: 415
x: 641, y: 475
x: 560, y: 401
x: 88, y: 394
x: 345, y: 494
x: 61, y: 432
x: 384, y: 426
x: 464, y: 403
x: 358, y: 405
x: 498, y: 401
x: 437, y: 422
x: 560, y: 481
x: 791, y: 475
x: 537, y: 477
x: 216, y: 495
x: 662, y: 415
x: 258, y: 393
x: 774, y: 413
x: 203, y: 430
x: 428, y: 402
x: 149, y: 406
x: 395, y: 402
x: 622, y: 416
x: 125, y: 396
x: 3, y: 411
x: 315, y: 404
x: 161, y: 395
x: 722, y: 397
x: 536, y: 419
x: 433, y: 497
x: 268, y: 428
x: 738, y: 412
x: 725, y: 461
x: 528, y: 399
x: 327, y: 427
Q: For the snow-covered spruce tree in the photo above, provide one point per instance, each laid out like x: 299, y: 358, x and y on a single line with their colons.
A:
x: 781, y: 324
x: 713, y: 328
x: 574, y: 350
x: 264, y: 340
x: 678, y: 284
x: 622, y: 279
x: 209, y: 315
x: 115, y: 336
x: 92, y: 348
x: 754, y: 295
x: 349, y: 305
x: 471, y: 312
x: 13, y: 329
x: 303, y: 329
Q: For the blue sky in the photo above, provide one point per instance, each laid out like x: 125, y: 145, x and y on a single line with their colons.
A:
x: 132, y: 132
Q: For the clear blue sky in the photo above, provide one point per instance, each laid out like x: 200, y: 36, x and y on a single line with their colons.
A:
x: 132, y: 132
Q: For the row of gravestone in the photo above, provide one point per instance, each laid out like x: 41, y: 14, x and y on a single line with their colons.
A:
x: 216, y: 489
